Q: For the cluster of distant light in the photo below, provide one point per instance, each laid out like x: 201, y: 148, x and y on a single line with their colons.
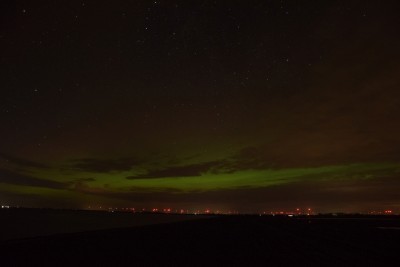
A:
x: 294, y: 212
x: 290, y: 213
x: 207, y: 211
x: 385, y: 212
x: 298, y: 211
x: 163, y: 210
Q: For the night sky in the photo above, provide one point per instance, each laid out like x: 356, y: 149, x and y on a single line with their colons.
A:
x: 229, y: 105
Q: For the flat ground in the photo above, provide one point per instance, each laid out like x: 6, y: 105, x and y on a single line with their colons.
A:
x: 25, y: 223
x: 219, y: 241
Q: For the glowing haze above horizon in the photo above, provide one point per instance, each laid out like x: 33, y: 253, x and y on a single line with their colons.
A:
x: 224, y: 105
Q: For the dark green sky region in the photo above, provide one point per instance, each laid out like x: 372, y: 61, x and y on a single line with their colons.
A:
x: 230, y: 105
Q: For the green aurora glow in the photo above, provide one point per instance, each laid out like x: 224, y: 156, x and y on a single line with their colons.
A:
x: 254, y: 106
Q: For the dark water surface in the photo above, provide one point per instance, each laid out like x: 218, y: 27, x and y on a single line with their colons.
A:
x: 218, y: 241
x: 25, y: 223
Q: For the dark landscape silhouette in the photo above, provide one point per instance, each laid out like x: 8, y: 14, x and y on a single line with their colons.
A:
x: 190, y: 240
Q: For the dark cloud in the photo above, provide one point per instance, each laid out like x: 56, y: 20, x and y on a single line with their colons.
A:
x: 22, y: 162
x: 104, y: 165
x: 262, y: 157
x: 312, y: 150
x: 85, y: 180
x: 181, y: 171
x: 276, y: 156
x: 349, y: 195
x: 9, y: 177
x: 83, y: 187
x: 253, y: 158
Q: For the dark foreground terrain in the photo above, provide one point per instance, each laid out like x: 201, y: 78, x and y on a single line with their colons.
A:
x: 220, y: 241
x: 25, y: 223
